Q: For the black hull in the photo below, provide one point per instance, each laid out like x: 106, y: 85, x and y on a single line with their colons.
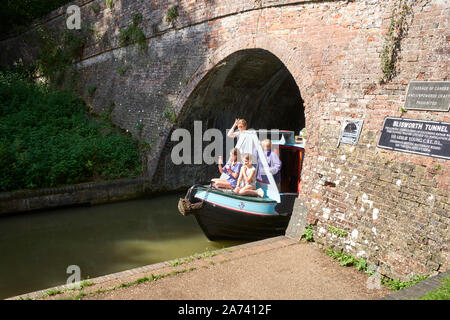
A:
x: 220, y: 223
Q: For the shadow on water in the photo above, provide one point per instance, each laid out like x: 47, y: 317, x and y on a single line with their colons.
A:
x: 37, y: 248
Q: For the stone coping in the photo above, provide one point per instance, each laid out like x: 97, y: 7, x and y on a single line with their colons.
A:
x: 79, y: 194
x: 418, y: 290
x: 19, y: 194
x: 166, y: 267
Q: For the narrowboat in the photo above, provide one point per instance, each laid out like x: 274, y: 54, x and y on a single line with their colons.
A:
x: 225, y: 215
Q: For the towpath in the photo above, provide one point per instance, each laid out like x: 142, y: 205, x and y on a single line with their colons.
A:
x: 276, y: 268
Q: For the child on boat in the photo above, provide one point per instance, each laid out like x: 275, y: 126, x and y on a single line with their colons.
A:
x: 241, y: 124
x: 247, y: 179
x: 231, y: 168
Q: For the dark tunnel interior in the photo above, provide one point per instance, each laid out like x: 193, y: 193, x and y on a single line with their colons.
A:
x: 250, y: 84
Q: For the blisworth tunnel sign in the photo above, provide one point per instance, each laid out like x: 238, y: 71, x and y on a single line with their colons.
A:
x: 428, y: 95
x: 428, y: 138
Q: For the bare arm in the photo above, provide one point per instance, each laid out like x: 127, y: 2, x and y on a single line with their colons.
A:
x: 234, y: 174
x: 231, y: 132
x: 240, y: 177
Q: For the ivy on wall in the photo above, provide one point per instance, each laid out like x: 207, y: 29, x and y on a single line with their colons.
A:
x: 398, y: 29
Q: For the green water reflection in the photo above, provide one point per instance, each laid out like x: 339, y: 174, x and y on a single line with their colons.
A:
x: 36, y: 248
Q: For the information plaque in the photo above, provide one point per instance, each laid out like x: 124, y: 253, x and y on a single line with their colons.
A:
x: 428, y: 138
x: 350, y: 131
x: 428, y: 95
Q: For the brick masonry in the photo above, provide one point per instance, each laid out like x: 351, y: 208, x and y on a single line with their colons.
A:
x: 393, y: 206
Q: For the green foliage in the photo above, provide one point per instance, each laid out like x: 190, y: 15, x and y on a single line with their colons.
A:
x: 307, y: 234
x: 397, y: 30
x: 361, y: 265
x: 59, y: 52
x: 133, y: 34
x: 122, y: 69
x: 345, y: 260
x: 109, y: 4
x: 172, y: 14
x: 91, y: 90
x: 139, y: 126
x: 48, y: 139
x: 395, y: 284
x: 169, y: 114
x: 441, y: 293
x: 95, y: 7
x: 338, y: 232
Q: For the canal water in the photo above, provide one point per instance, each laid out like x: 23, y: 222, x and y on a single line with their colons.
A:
x: 37, y: 248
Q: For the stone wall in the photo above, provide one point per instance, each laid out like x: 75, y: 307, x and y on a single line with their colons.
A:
x: 81, y: 194
x: 393, y: 206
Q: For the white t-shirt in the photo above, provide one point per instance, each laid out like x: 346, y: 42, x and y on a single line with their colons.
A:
x: 249, y: 172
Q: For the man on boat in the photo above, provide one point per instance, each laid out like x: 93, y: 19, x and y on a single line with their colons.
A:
x: 273, y: 161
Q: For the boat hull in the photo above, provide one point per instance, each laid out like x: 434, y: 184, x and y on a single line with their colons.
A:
x: 220, y: 223
x: 224, y: 223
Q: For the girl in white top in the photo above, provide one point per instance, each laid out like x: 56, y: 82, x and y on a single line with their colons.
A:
x: 246, y: 184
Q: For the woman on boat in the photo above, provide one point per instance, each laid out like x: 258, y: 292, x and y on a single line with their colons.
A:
x: 241, y: 124
x: 273, y: 161
x: 247, y: 178
x: 231, y: 168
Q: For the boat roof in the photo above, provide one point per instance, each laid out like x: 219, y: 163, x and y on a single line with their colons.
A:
x: 278, y: 137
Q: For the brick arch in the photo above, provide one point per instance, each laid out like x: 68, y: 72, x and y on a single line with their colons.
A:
x: 294, y: 58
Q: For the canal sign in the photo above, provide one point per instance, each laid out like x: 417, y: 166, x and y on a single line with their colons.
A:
x: 428, y: 95
x: 428, y: 138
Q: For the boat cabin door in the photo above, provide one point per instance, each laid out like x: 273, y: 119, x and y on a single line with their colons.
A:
x: 292, y: 160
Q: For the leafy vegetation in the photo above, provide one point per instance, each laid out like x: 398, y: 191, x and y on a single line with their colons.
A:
x: 170, y: 114
x: 441, y: 293
x: 338, y: 232
x: 345, y: 260
x: 172, y: 14
x: 307, y: 234
x: 48, y: 138
x: 133, y: 34
x: 109, y: 4
x: 58, y: 52
x: 395, y: 284
x: 397, y: 30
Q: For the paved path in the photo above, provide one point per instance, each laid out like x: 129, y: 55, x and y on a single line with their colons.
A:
x: 277, y: 268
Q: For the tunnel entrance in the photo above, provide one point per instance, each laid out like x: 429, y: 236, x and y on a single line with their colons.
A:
x: 252, y: 84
